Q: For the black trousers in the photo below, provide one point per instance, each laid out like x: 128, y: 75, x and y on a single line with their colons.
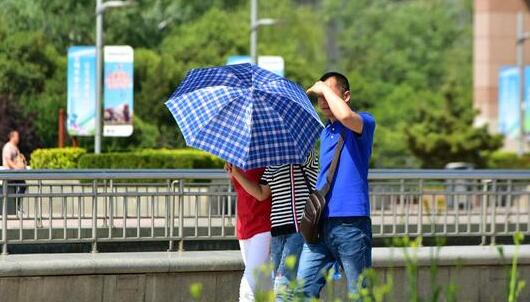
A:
x: 14, y: 187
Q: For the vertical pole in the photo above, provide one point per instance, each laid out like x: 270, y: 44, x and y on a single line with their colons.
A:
x: 94, y: 216
x: 60, y: 135
x: 420, y: 209
x: 254, y: 31
x: 520, y: 65
x: 494, y: 203
x: 105, y: 204
x: 170, y: 199
x: 483, y: 212
x: 181, y: 215
x: 99, y: 67
x: 401, y: 209
x: 4, y: 217
x: 111, y: 207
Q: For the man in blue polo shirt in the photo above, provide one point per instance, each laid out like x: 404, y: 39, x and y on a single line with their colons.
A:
x: 346, y: 235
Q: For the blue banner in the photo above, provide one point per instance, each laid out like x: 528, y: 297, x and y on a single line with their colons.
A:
x: 509, y: 101
x: 81, y: 91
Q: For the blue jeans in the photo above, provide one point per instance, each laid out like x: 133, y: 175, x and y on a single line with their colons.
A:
x: 345, y: 240
x: 285, y: 254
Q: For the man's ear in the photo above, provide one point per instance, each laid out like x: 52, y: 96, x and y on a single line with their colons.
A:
x: 346, y: 96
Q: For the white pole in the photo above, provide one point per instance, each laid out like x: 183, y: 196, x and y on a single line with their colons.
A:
x: 254, y: 31
x: 99, y: 67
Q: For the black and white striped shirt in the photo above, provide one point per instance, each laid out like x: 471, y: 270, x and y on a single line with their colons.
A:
x: 286, y: 202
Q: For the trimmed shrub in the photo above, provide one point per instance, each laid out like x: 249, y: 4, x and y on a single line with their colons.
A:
x: 508, y: 160
x: 151, y: 159
x: 199, y: 159
x: 56, y: 158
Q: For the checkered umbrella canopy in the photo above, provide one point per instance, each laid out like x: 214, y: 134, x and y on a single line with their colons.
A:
x: 246, y: 115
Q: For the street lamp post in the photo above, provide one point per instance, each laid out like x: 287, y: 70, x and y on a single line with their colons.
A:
x: 255, y: 23
x: 100, y: 10
x: 521, y: 37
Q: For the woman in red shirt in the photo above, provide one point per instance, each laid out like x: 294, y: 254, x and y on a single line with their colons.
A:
x: 253, y: 232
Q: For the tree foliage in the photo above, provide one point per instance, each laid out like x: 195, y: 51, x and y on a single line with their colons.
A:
x: 400, y: 56
x: 32, y: 74
x: 13, y: 118
x: 442, y: 136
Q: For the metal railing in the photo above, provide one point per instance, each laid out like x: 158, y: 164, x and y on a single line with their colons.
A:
x: 94, y: 206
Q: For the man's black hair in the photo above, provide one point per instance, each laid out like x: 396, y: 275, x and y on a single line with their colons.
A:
x: 341, y: 79
x: 11, y: 133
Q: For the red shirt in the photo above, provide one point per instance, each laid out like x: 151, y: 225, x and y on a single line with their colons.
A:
x: 253, y: 216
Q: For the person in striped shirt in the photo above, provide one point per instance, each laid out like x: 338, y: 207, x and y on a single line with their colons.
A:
x: 289, y: 186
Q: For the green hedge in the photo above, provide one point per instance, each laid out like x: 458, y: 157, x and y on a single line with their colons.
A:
x: 72, y: 158
x: 56, y: 158
x: 508, y: 160
x: 151, y: 159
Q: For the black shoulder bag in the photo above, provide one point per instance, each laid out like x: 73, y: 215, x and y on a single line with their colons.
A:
x: 310, y: 222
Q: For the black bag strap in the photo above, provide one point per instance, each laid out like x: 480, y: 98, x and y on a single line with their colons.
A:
x: 333, y: 167
x: 331, y: 171
x: 307, y: 183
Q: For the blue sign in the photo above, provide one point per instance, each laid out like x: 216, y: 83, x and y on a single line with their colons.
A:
x: 274, y: 64
x: 81, y: 91
x: 232, y: 60
x: 509, y: 101
x: 118, y: 91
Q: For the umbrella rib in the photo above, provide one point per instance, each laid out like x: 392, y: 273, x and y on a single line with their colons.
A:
x: 245, y: 82
x: 219, y: 112
x: 298, y: 104
x: 251, y: 123
x: 203, y: 125
x: 226, y: 69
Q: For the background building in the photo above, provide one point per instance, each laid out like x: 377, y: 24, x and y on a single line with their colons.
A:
x: 494, y: 47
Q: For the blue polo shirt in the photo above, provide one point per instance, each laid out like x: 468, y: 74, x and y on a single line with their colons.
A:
x: 348, y: 195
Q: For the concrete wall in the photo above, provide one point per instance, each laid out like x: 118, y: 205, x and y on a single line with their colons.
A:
x: 478, y: 272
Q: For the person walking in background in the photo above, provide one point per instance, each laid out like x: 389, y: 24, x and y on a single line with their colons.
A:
x: 345, y: 227
x: 12, y: 159
x: 289, y: 186
x: 11, y: 156
x: 253, y: 232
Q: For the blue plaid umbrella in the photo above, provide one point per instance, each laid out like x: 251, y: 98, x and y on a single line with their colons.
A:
x: 246, y: 115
